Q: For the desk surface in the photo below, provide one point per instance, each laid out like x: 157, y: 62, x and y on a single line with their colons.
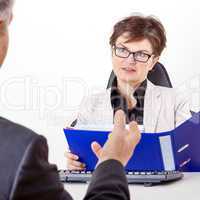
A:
x: 186, y: 189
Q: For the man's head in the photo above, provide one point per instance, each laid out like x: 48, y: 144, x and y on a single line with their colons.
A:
x: 5, y: 18
x: 136, y: 42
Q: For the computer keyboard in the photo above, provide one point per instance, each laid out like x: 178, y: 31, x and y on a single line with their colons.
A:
x: 147, y: 177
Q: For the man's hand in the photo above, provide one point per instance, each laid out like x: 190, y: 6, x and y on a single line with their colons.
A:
x: 121, y: 143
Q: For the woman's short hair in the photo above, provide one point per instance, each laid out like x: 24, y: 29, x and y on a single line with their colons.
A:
x: 140, y: 27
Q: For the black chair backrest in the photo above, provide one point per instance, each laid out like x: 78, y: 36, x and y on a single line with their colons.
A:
x: 158, y: 76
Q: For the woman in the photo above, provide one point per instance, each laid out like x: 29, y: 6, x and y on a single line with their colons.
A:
x: 136, y: 44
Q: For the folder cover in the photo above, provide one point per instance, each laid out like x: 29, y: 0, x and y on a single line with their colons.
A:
x: 178, y: 149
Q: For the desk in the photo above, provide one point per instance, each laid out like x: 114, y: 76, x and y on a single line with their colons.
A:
x: 186, y: 189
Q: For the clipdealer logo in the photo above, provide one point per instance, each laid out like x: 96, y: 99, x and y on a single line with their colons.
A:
x: 25, y: 94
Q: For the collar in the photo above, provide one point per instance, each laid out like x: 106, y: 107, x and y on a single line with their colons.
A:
x: 119, y: 102
x: 138, y: 93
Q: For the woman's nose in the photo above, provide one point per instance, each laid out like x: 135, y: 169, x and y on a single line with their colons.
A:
x: 130, y: 60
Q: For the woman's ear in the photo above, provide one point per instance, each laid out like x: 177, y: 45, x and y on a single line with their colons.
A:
x: 7, y: 21
x: 112, y: 51
x: 3, y: 27
x: 154, y: 61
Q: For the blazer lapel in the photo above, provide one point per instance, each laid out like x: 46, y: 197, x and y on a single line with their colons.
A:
x: 152, y: 106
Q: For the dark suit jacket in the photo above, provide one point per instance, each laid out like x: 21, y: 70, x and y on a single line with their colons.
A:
x: 26, y: 174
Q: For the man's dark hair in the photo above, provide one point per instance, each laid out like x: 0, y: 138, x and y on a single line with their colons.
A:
x: 5, y: 8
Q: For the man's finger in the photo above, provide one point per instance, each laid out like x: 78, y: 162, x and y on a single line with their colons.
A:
x: 134, y: 129
x: 119, y: 120
x: 96, y: 148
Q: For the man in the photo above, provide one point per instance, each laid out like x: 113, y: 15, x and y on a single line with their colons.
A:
x: 24, y: 168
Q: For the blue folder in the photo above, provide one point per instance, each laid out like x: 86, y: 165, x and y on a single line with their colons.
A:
x: 178, y: 149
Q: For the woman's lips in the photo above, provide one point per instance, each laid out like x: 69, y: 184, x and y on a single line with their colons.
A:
x: 128, y: 69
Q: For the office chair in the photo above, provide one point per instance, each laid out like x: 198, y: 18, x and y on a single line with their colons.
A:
x: 158, y: 76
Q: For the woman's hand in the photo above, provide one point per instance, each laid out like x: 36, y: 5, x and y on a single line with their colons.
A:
x: 73, y: 163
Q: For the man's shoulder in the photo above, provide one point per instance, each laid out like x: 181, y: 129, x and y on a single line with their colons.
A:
x: 15, y: 140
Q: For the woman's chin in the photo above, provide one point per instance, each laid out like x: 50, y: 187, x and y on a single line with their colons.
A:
x: 129, y: 79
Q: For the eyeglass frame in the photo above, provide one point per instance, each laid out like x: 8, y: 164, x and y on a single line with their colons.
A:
x: 133, y: 53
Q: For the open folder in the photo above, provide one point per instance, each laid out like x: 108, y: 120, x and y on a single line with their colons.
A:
x: 178, y: 149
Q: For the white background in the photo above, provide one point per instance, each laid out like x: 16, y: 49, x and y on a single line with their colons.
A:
x: 59, y: 52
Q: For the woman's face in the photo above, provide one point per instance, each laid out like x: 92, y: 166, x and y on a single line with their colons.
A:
x: 134, y: 68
